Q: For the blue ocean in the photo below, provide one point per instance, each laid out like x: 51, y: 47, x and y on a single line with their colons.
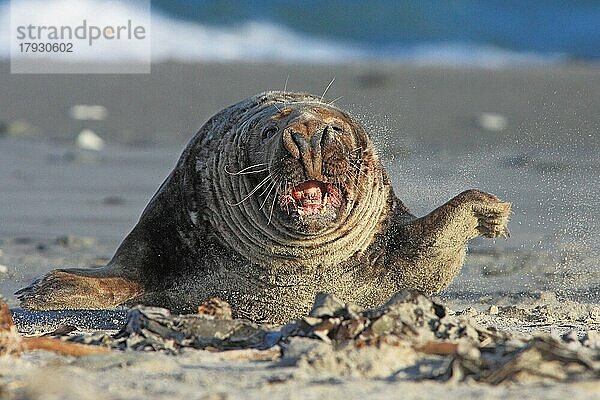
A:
x: 492, y: 32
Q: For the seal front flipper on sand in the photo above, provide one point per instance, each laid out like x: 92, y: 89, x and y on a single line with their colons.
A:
x: 78, y: 289
x: 170, y: 237
x: 94, y: 288
x: 140, y: 265
x: 427, y: 253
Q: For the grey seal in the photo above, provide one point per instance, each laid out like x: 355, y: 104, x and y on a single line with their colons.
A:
x: 275, y: 199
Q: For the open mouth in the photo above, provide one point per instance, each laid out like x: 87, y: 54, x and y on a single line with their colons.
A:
x: 311, y: 197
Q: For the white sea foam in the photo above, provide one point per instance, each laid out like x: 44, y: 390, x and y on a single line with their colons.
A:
x: 253, y: 41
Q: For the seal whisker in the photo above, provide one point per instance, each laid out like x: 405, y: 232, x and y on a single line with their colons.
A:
x: 336, y: 99
x: 356, y: 166
x: 273, y: 205
x: 272, y: 186
x: 360, y: 173
x: 287, y: 188
x: 327, y: 88
x: 261, y: 184
x: 245, y: 171
x: 358, y: 190
x: 265, y: 190
x: 286, y: 83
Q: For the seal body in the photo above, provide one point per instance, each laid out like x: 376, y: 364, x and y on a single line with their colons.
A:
x: 275, y: 199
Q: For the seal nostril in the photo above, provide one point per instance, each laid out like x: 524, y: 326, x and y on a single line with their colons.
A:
x: 327, y: 135
x: 290, y: 142
x: 297, y: 138
x: 300, y: 141
x: 316, y: 140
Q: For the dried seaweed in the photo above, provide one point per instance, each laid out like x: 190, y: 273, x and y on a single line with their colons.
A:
x: 153, y: 328
x: 418, y: 327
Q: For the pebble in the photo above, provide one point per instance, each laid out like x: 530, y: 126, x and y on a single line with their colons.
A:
x: 494, y: 310
x: 3, y: 269
x: 492, y: 122
x: 74, y: 241
x: 592, y: 339
x: 113, y: 201
x: 89, y: 140
x: 21, y: 128
x: 85, y: 112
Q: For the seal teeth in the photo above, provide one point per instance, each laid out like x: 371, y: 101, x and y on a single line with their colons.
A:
x: 310, y: 198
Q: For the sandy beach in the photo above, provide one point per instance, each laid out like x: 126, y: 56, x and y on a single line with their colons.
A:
x: 528, y: 135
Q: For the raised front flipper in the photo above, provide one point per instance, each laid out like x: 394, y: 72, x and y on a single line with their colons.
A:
x: 426, y: 253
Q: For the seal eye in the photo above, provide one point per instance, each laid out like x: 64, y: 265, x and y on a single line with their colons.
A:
x: 269, y: 132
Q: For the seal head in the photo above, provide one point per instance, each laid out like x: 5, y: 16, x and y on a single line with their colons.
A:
x: 313, y: 157
x: 296, y: 180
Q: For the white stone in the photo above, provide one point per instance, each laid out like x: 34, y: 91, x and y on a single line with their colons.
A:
x: 492, y: 122
x: 85, y: 112
x: 89, y: 140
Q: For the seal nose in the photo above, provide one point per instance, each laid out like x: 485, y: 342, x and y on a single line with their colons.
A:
x: 305, y: 142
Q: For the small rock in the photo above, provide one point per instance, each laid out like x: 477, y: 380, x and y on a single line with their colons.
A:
x: 570, y: 337
x: 349, y: 329
x: 22, y: 128
x: 62, y: 330
x: 492, y: 122
x: 383, y: 325
x: 372, y: 80
x: 469, y: 312
x: 85, y: 112
x: 75, y: 241
x: 468, y: 351
x: 23, y: 240
x: 592, y: 339
x: 326, y: 305
x: 113, y: 200
x: 494, y: 310
x: 3, y: 269
x: 312, y: 321
x: 89, y: 140
x: 297, y: 347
